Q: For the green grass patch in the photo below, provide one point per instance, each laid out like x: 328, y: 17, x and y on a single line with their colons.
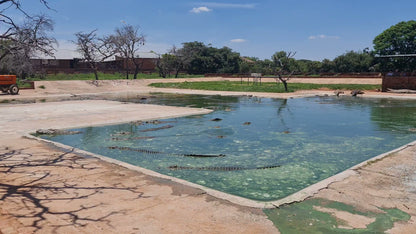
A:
x: 22, y: 84
x: 264, y: 87
x: 104, y: 76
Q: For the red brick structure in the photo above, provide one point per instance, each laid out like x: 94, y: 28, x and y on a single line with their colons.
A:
x: 398, y: 81
x: 146, y: 64
x: 48, y: 66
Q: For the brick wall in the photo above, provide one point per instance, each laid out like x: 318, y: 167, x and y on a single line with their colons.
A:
x: 398, y: 82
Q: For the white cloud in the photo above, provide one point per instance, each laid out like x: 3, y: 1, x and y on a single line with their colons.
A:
x: 322, y: 36
x: 65, y: 50
x: 228, y: 5
x: 238, y: 40
x: 201, y: 9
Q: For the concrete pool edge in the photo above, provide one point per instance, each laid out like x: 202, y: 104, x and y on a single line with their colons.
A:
x: 315, y: 188
x: 215, y: 193
x: 293, y: 198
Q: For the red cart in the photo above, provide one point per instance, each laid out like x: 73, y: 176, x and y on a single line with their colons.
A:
x: 8, y: 84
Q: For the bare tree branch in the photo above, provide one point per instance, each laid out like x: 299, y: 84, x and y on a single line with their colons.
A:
x: 127, y: 41
x: 284, y: 66
x: 93, y: 49
x: 19, y: 42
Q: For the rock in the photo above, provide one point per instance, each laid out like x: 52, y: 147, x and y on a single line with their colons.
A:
x: 121, y: 133
x: 246, y: 123
x: 338, y: 92
x: 216, y: 119
x: 356, y: 92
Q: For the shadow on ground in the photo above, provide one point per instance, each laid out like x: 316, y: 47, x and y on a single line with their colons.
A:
x: 37, y: 193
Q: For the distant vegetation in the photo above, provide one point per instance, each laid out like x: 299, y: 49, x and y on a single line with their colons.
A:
x: 264, y: 87
x: 198, y: 58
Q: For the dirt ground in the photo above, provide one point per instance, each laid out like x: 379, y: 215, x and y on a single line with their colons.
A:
x: 45, y: 189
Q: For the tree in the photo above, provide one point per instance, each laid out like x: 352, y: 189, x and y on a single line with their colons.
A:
x: 166, y: 65
x: 327, y: 66
x: 308, y: 67
x: 11, y: 33
x: 194, y: 52
x: 127, y: 42
x: 399, y: 39
x: 177, y: 61
x: 197, y: 58
x: 285, y: 66
x: 6, y: 21
x: 227, y: 60
x: 28, y: 40
x: 93, y: 49
x: 20, y: 42
x: 354, y: 62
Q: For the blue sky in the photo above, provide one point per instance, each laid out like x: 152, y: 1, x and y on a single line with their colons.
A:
x: 315, y: 29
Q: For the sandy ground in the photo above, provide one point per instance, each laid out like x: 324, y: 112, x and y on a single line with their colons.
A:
x: 44, y: 189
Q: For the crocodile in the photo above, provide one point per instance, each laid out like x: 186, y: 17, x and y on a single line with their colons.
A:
x: 137, y: 150
x: 52, y: 131
x: 229, y: 168
x: 132, y: 138
x: 145, y: 151
x: 156, y: 129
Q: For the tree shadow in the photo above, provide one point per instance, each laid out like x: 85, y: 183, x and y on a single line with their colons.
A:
x: 26, y: 181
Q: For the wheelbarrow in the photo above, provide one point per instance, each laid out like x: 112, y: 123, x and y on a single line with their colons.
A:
x: 8, y: 84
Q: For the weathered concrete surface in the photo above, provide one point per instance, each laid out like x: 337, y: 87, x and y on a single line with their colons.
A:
x: 388, y: 183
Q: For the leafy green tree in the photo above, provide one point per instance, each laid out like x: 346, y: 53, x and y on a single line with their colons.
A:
x: 308, y: 66
x: 246, y: 65
x: 228, y: 61
x: 256, y: 65
x: 399, y: 39
x: 200, y: 59
x: 327, y: 66
x: 354, y: 62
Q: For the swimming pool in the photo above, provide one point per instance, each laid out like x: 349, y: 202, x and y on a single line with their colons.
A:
x: 258, y: 148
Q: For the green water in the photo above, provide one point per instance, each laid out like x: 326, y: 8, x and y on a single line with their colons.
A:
x: 305, y: 140
x: 305, y: 218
